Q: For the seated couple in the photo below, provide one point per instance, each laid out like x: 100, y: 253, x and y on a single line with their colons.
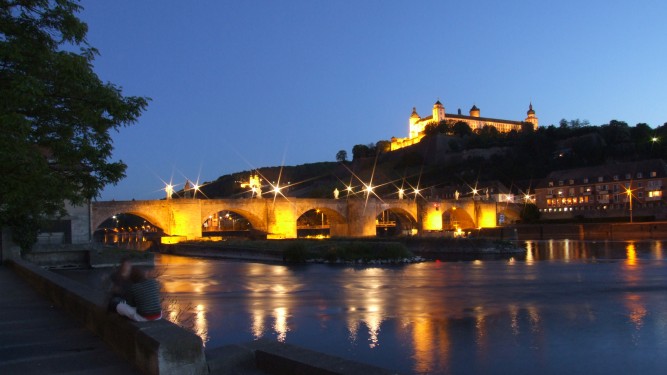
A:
x: 134, y: 294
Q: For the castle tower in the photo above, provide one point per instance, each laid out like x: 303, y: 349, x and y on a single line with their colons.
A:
x: 531, y: 116
x: 474, y: 111
x: 438, y: 112
x: 414, y: 128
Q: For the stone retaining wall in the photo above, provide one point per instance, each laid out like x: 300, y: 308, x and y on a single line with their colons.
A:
x: 158, y: 347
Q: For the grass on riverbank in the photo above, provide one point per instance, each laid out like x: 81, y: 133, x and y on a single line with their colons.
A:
x: 330, y: 250
x: 344, y: 252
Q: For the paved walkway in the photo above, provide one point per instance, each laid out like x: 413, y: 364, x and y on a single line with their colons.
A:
x: 37, y: 338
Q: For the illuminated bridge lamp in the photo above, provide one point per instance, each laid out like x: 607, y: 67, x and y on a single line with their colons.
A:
x: 169, y: 189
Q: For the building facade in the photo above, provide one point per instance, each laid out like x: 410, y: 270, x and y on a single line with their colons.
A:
x: 417, y: 124
x: 616, y: 190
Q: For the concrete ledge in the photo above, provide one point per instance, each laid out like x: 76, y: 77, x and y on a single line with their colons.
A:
x: 158, y: 347
x: 285, y: 359
x: 231, y: 359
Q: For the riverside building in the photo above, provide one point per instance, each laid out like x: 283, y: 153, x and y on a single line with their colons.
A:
x: 614, y: 190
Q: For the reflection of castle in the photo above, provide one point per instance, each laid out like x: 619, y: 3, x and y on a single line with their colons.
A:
x: 474, y: 120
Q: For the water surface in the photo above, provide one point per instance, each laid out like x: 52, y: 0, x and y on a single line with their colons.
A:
x: 565, y: 307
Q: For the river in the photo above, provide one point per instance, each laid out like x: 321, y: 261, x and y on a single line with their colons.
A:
x: 565, y: 307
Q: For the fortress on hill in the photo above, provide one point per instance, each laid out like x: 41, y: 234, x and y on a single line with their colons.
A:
x: 474, y: 120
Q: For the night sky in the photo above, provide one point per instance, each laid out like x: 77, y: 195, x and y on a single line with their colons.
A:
x: 242, y: 84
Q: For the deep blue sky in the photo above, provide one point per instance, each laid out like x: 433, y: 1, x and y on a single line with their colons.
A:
x: 243, y: 84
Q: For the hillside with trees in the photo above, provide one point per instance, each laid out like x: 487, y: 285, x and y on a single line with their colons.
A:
x: 452, y: 154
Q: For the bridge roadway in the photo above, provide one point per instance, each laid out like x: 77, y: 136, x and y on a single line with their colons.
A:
x: 278, y: 217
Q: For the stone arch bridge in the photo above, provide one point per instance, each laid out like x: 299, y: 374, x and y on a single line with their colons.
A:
x: 347, y: 218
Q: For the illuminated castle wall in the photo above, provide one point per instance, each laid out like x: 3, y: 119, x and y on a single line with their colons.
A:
x: 474, y: 120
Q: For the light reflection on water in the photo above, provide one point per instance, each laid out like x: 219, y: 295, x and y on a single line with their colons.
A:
x: 566, y: 306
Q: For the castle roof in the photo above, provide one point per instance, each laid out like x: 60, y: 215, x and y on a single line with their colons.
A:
x: 488, y: 119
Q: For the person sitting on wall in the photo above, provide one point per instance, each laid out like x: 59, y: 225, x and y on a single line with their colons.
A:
x: 145, y: 295
x: 120, y: 284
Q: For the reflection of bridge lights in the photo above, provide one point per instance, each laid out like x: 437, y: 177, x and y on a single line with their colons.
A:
x: 530, y: 260
x: 201, y: 324
x: 373, y: 320
x: 281, y: 328
x: 631, y: 255
x: 257, y: 323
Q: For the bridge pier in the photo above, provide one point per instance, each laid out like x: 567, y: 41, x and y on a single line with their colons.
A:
x: 185, y: 218
x: 281, y: 219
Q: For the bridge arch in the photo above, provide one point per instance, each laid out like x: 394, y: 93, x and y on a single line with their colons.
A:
x: 332, y: 214
x: 253, y: 219
x: 102, y: 212
x: 394, y: 221
x: 456, y: 218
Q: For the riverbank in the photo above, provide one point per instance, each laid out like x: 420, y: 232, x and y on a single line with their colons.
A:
x: 372, y: 251
x: 577, y: 231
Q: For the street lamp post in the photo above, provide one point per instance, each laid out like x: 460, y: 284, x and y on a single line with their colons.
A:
x: 629, y: 192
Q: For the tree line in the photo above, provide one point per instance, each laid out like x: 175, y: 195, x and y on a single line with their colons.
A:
x: 572, y: 141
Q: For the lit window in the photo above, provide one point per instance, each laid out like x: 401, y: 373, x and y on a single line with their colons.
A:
x: 551, y: 183
x: 653, y: 174
x: 571, y: 182
x: 585, y: 180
